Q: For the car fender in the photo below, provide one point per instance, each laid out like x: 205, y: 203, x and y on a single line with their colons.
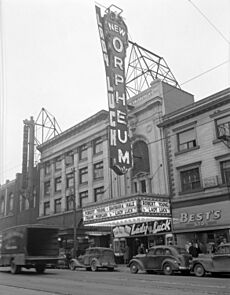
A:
x: 140, y: 263
x: 96, y: 260
x: 172, y: 262
x: 76, y: 262
x: 207, y: 264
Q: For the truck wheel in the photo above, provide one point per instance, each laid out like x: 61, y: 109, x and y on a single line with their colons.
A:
x: 40, y: 268
x: 199, y: 270
x: 93, y: 266
x: 14, y: 268
x: 134, y: 267
x: 167, y: 269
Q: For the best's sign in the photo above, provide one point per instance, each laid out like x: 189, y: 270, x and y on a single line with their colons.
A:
x: 114, y: 41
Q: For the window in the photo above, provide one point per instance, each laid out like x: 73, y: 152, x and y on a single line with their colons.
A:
x: 97, y: 146
x: 143, y: 186
x: 21, y: 203
x: 27, y: 203
x: 11, y: 202
x: 46, y: 208
x: 225, y: 172
x: 159, y: 251
x: 190, y: 180
x: 57, y: 184
x: 98, y: 193
x: 223, y: 126
x: 83, y: 175
x: 47, y: 188
x: 135, y: 187
x: 98, y: 170
x: 2, y: 205
x: 57, y: 206
x: 186, y: 140
x: 69, y: 203
x: 140, y: 158
x: 83, y: 198
x: 69, y: 159
x: 83, y: 153
x: 58, y: 163
x: 47, y: 168
x: 69, y: 180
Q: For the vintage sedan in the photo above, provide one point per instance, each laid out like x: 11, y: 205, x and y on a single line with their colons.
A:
x: 95, y: 258
x: 166, y: 259
x: 216, y: 263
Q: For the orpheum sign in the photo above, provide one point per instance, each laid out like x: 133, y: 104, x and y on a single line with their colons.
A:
x: 114, y: 41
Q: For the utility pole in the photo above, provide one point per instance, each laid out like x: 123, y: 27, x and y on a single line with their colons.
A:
x: 74, y: 217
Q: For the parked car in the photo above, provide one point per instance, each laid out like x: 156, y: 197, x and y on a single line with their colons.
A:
x: 167, y: 259
x: 216, y: 263
x: 95, y: 258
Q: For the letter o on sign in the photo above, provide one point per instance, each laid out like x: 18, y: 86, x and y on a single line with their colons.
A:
x: 117, y: 44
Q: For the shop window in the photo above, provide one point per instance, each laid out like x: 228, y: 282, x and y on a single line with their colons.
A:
x: 140, y: 158
x: 98, y: 170
x: 69, y: 180
x: 57, y: 184
x: 186, y: 139
x: 190, y: 180
x: 57, y: 206
x: 47, y: 168
x: 83, y: 175
x: 69, y: 203
x: 69, y: 159
x: 83, y: 198
x: 46, y: 208
x: 225, y: 172
x: 83, y: 152
x: 47, y: 188
x: 97, y: 146
x: 223, y: 126
x: 98, y: 194
x: 58, y: 163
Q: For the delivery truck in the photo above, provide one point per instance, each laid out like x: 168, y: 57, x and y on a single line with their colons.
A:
x: 29, y: 246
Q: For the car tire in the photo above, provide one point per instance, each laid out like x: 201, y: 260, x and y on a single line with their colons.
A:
x: 199, y: 270
x: 72, y: 265
x: 134, y: 267
x: 93, y: 265
x: 14, y: 269
x: 167, y: 269
x: 40, y: 269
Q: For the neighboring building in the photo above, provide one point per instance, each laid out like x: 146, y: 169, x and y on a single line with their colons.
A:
x: 75, y: 171
x: 197, y: 141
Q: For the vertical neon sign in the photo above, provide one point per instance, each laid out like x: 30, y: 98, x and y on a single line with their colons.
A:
x: 114, y: 42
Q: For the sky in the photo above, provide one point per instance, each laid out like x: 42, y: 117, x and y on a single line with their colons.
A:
x: 51, y: 58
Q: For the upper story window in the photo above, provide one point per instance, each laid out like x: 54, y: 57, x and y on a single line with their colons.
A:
x: 46, y: 208
x: 69, y: 180
x: 83, y: 198
x: 69, y: 159
x: 47, y: 168
x: 47, y: 187
x: 11, y: 202
x: 2, y: 205
x: 98, y: 193
x: 58, y: 163
x: 57, y: 206
x: 83, y: 152
x: 97, y: 146
x: 223, y: 126
x: 98, y: 170
x: 140, y: 158
x: 186, y: 139
x: 190, y: 179
x: 225, y: 172
x: 21, y: 203
x: 83, y: 175
x: 57, y: 184
x: 69, y: 203
x: 143, y: 186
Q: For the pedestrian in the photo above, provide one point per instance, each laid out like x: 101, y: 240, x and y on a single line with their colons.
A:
x: 193, y: 250
x: 126, y: 254
x: 141, y: 249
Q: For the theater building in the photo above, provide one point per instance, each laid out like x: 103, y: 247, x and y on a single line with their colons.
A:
x: 197, y: 144
x: 75, y: 172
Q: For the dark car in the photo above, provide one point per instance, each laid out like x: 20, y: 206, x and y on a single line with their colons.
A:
x: 95, y: 258
x: 216, y: 263
x: 166, y: 259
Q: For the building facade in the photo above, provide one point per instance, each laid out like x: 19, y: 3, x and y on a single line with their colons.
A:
x: 79, y: 191
x: 197, y: 144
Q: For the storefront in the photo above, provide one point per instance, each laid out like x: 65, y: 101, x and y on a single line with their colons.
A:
x: 206, y: 225
x: 132, y: 221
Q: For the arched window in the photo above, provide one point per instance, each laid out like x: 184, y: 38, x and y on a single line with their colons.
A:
x: 11, y: 202
x: 140, y: 158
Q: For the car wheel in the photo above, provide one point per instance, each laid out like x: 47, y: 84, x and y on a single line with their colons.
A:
x: 134, y: 267
x: 72, y: 265
x: 93, y: 266
x: 199, y: 270
x: 14, y: 269
x: 40, y: 269
x: 167, y: 269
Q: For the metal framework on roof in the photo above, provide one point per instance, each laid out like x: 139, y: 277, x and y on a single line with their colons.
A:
x: 144, y: 66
